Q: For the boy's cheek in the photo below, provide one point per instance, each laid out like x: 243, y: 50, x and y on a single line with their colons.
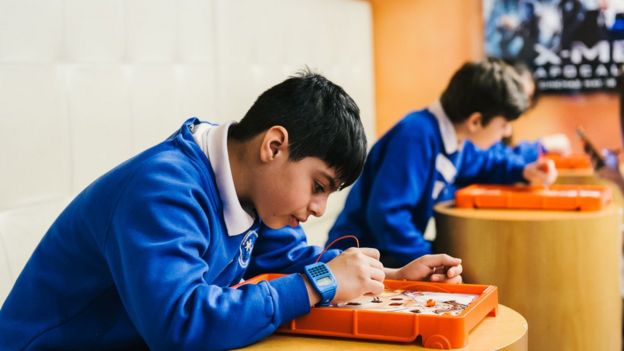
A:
x: 274, y: 222
x: 269, y: 217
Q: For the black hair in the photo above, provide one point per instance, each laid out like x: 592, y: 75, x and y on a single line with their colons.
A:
x: 525, y: 71
x: 490, y: 87
x: 322, y: 121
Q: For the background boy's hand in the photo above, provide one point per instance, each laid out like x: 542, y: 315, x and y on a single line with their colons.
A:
x: 357, y: 272
x: 540, y: 172
x: 437, y: 268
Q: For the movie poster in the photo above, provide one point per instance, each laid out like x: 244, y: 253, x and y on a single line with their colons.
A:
x: 571, y: 45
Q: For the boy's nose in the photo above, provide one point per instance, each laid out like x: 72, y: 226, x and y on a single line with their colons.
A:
x: 317, y: 206
x: 508, y: 130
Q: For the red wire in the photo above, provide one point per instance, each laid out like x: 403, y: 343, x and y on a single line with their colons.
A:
x: 357, y: 244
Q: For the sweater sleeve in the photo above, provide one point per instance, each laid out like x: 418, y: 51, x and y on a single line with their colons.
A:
x: 487, y: 166
x: 404, y: 171
x: 155, y: 247
x: 528, y: 151
x: 284, y: 250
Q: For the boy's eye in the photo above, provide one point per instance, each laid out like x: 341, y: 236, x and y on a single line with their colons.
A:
x: 318, y: 188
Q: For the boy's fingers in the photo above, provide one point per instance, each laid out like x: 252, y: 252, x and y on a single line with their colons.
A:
x: 454, y: 271
x: 438, y: 277
x: 455, y: 280
x: 440, y: 260
x: 375, y: 287
x: 545, y: 172
x: 542, y: 165
x: 551, y: 166
x: 368, y: 251
x: 443, y: 278
x: 376, y: 264
x: 552, y: 173
x: 378, y: 275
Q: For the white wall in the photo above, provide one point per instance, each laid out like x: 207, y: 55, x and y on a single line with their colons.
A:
x: 85, y: 84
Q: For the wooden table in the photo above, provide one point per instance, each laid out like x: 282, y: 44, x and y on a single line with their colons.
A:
x: 560, y: 270
x: 507, y: 331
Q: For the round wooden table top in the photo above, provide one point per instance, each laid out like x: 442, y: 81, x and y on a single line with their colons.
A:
x: 507, y: 331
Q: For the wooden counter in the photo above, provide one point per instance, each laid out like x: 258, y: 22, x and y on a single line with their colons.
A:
x: 560, y: 270
x: 507, y: 331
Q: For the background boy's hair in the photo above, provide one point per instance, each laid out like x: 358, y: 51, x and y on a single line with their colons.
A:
x: 321, y: 119
x: 526, y: 74
x: 490, y: 87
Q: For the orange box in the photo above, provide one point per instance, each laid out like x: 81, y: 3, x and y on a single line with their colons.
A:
x: 574, y: 161
x: 437, y: 331
x: 554, y: 197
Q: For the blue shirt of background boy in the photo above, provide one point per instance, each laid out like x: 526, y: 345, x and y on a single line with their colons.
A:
x: 415, y: 165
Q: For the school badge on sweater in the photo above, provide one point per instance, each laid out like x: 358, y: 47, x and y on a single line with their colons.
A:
x: 246, y: 247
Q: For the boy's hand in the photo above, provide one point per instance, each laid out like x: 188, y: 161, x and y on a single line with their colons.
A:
x: 357, y: 272
x: 437, y: 268
x: 540, y: 172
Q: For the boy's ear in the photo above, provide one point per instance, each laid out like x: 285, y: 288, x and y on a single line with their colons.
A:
x: 474, y: 122
x: 274, y: 144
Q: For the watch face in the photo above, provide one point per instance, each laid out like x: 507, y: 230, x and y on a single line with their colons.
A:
x: 324, y: 281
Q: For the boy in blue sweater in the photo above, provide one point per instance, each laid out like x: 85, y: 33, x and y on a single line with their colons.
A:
x: 424, y: 157
x: 145, y: 256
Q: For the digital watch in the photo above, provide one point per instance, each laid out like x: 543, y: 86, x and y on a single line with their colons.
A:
x: 323, y: 281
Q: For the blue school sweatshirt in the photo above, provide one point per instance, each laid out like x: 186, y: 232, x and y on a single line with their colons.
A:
x: 142, y: 259
x: 416, y: 164
x: 528, y: 151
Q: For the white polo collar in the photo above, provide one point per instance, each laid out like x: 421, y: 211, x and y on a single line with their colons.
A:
x: 212, y: 139
x: 449, y: 137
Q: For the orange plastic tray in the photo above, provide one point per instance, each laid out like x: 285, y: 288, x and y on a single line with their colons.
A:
x: 574, y: 161
x: 437, y: 331
x: 554, y: 197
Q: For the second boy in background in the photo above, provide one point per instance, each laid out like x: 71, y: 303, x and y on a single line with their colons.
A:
x: 424, y: 157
